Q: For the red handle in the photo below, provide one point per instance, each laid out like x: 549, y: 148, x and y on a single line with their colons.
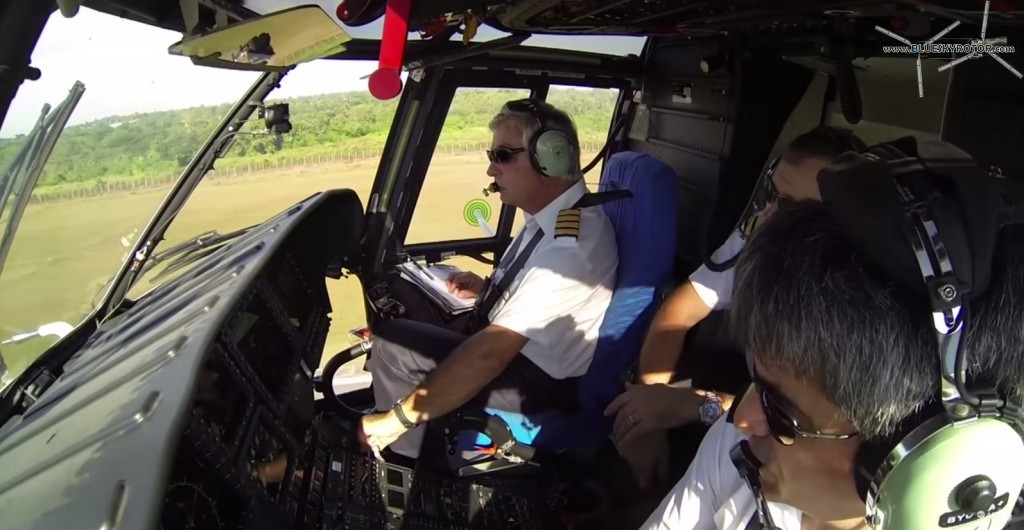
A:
x: 386, y: 81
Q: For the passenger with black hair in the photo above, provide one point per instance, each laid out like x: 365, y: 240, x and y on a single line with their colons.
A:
x: 653, y: 404
x: 842, y: 353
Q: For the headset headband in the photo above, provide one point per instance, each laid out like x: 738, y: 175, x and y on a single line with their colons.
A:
x: 870, y: 195
x: 551, y: 151
x: 529, y: 106
x: 934, y: 196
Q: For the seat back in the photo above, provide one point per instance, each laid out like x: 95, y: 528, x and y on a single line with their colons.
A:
x: 645, y: 231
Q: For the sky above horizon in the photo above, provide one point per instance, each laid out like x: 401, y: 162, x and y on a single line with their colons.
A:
x: 126, y: 69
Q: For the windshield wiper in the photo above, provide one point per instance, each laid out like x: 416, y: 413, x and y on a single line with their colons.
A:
x: 21, y: 176
x: 192, y: 250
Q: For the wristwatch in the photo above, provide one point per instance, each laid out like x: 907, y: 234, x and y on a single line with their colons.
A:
x: 711, y: 409
x: 402, y: 418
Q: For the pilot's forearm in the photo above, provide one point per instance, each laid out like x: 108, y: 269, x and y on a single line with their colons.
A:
x: 467, y: 370
x: 660, y: 353
x: 664, y: 342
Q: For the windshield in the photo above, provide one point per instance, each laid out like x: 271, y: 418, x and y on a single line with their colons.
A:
x: 337, y: 133
x: 132, y: 118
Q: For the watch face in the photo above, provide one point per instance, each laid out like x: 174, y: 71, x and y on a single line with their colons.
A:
x: 710, y: 411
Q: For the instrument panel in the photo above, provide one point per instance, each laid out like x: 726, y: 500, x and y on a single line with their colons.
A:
x: 194, y: 410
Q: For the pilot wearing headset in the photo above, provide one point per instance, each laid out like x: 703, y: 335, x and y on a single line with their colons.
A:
x: 645, y: 410
x: 878, y: 402
x: 536, y: 321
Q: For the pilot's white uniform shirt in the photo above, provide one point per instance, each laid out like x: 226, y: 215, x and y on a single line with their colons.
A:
x: 715, y: 288
x: 711, y: 495
x: 559, y: 298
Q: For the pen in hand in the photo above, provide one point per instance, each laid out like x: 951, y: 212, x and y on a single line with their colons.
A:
x: 422, y: 268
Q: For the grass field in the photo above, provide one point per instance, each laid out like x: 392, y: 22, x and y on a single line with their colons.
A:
x: 65, y: 252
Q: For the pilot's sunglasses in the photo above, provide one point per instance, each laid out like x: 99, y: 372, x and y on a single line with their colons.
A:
x: 779, y: 415
x: 503, y: 155
x: 779, y: 199
x: 770, y: 192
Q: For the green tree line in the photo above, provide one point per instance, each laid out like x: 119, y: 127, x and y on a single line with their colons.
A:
x: 161, y: 143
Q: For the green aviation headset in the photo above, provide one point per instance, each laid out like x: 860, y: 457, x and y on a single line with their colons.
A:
x: 958, y: 462
x: 551, y: 152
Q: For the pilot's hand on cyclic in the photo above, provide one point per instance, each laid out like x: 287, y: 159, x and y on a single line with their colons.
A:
x: 465, y: 284
x: 380, y: 430
x: 642, y: 409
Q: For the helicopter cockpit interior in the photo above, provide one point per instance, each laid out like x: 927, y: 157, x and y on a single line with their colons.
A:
x: 207, y: 402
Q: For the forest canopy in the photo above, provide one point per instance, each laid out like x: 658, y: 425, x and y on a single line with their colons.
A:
x: 162, y: 143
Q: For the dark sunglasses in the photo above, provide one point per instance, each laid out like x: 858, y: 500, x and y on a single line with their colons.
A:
x: 771, y: 193
x: 779, y: 199
x: 767, y: 193
x: 503, y: 155
x: 780, y: 416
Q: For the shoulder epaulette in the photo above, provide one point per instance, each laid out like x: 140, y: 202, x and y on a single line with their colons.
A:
x: 568, y: 223
x: 751, y: 224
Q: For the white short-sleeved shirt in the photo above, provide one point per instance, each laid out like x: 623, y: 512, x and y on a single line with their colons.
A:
x: 559, y: 298
x: 715, y: 288
x: 711, y: 495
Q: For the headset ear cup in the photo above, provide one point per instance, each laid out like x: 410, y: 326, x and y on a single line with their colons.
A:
x: 870, y: 456
x: 872, y: 453
x: 553, y: 153
x: 531, y: 151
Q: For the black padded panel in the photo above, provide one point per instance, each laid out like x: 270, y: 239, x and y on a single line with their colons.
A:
x: 985, y: 112
x: 984, y: 116
x: 683, y: 121
x: 715, y: 130
x: 769, y: 89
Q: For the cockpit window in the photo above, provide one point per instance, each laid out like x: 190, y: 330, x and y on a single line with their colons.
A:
x: 452, y: 205
x: 337, y: 133
x: 139, y: 118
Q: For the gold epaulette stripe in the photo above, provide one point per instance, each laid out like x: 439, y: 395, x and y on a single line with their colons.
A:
x: 568, y: 223
x: 751, y: 224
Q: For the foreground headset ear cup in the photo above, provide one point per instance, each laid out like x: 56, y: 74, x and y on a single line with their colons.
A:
x: 552, y: 153
x: 872, y: 453
x: 921, y: 491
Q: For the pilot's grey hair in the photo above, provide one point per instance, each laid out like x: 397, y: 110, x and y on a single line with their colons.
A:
x: 806, y: 300
x: 995, y: 345
x: 555, y: 119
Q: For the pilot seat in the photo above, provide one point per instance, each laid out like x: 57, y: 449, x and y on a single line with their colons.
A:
x: 645, y: 230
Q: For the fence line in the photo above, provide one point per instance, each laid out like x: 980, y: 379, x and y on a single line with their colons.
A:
x: 252, y: 167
